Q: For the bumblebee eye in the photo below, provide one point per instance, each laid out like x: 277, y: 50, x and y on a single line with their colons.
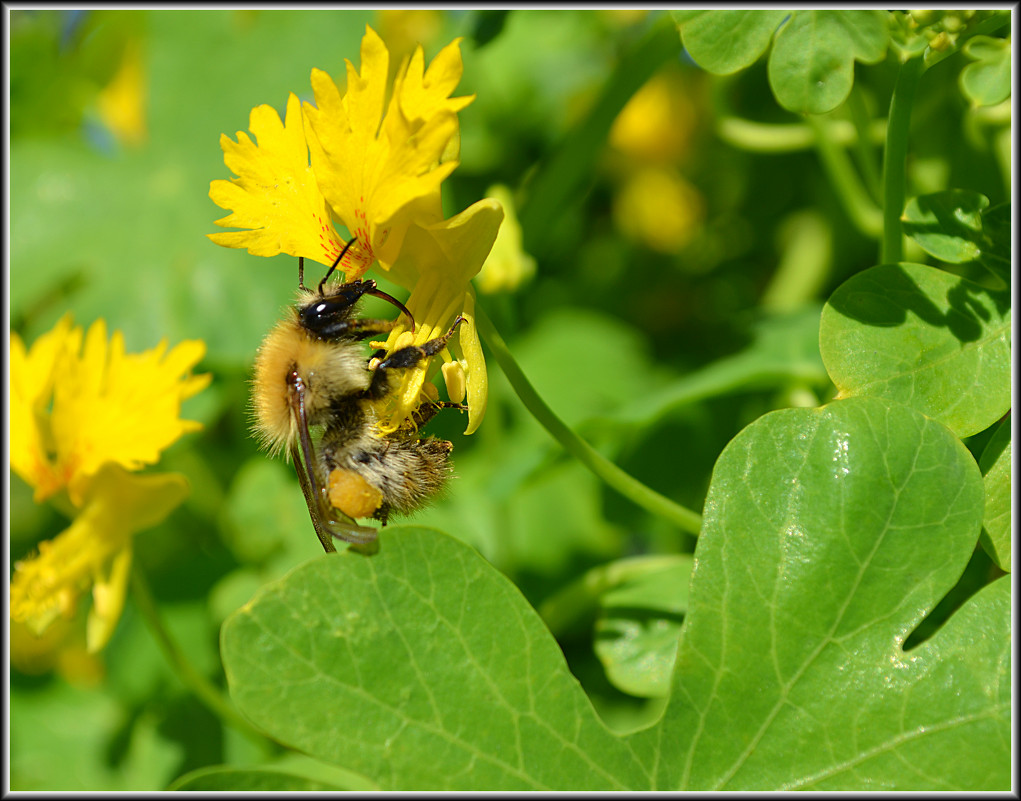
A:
x: 327, y: 317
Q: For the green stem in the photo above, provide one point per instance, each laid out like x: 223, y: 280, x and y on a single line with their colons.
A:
x: 852, y: 194
x: 867, y: 161
x: 625, y: 484
x: 186, y: 672
x: 763, y: 137
x: 895, y: 160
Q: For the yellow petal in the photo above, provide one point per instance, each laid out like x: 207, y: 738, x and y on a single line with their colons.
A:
x: 113, y: 406
x: 117, y: 505
x: 108, y: 596
x: 475, y: 365
x: 373, y: 170
x: 438, y: 262
x: 423, y: 93
x: 275, y: 195
x: 31, y: 388
x: 122, y: 102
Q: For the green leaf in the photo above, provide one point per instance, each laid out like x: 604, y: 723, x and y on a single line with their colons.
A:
x: 811, y: 68
x: 81, y: 725
x: 997, y: 253
x: 986, y: 81
x: 947, y: 224
x: 288, y: 772
x: 829, y: 534
x: 955, y: 226
x: 723, y: 42
x: 220, y: 778
x: 996, y: 524
x: 922, y: 336
x: 639, y: 625
x: 422, y: 668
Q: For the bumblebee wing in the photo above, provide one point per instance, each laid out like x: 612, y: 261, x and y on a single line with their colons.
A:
x: 327, y: 521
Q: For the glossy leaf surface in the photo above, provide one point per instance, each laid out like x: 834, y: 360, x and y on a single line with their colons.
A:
x: 924, y: 337
x: 828, y: 536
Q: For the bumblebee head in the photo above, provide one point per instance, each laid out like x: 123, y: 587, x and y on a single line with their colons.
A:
x: 326, y: 316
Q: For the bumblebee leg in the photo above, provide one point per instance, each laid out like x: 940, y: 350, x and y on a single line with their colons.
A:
x: 407, y: 357
x: 427, y: 411
x: 359, y: 329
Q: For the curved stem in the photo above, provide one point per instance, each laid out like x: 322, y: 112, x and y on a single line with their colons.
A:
x: 186, y: 672
x: 767, y: 137
x: 854, y: 197
x: 867, y: 161
x: 625, y: 484
x: 895, y: 160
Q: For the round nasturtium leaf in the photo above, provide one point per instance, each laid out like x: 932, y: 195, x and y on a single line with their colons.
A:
x: 828, y: 535
x: 948, y: 225
x: 924, y: 337
x: 986, y: 81
x: 725, y: 41
x: 811, y: 68
x: 956, y: 226
x: 639, y: 623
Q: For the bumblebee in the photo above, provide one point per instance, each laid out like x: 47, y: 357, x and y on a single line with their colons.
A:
x: 314, y: 399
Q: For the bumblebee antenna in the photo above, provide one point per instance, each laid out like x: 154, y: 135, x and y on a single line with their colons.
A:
x: 301, y: 272
x: 336, y: 262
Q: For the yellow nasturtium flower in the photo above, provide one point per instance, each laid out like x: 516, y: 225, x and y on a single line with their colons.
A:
x: 83, y: 414
x: 374, y: 166
x: 122, y: 103
x: 72, y: 412
x: 371, y: 172
x: 507, y: 266
x: 382, y: 172
x: 94, y: 553
x: 439, y: 261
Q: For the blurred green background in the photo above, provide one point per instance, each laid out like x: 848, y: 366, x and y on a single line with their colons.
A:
x: 679, y: 271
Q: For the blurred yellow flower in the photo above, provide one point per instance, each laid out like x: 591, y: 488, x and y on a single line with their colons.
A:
x: 84, y: 413
x: 72, y: 412
x: 61, y: 648
x: 121, y: 104
x: 404, y: 28
x: 657, y: 207
x: 658, y: 122
x: 654, y: 203
x: 507, y: 266
x: 93, y: 553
